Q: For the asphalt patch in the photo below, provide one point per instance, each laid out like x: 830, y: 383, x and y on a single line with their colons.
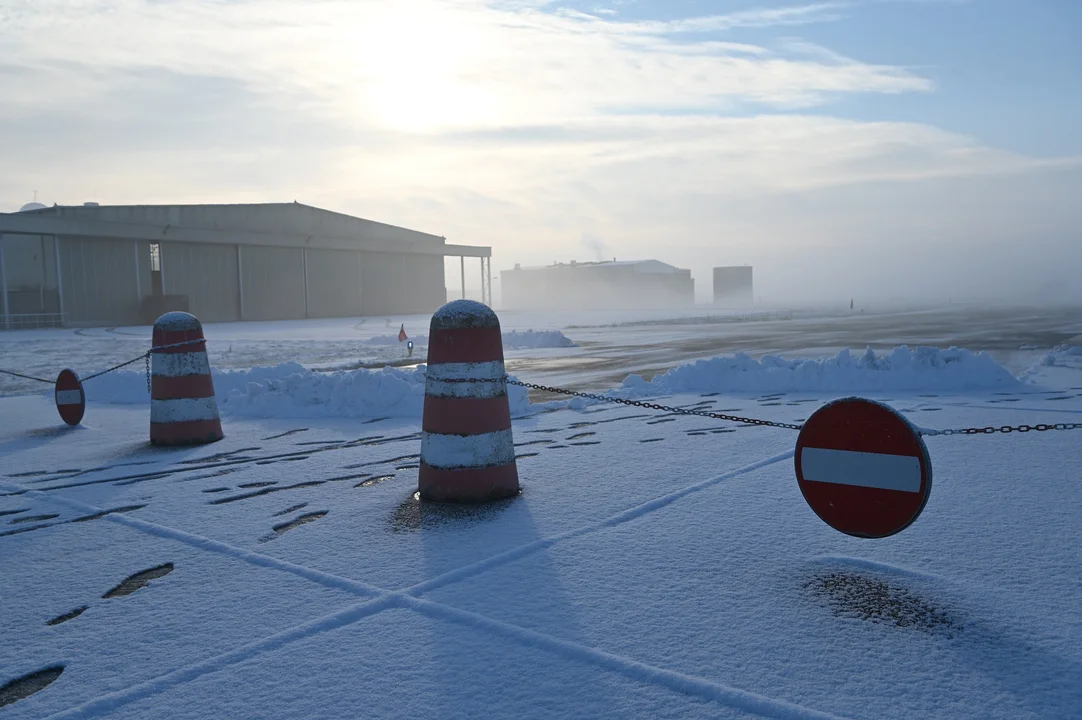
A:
x: 27, y: 685
x: 68, y: 616
x: 863, y: 597
x: 138, y: 580
x: 415, y: 514
x: 279, y: 530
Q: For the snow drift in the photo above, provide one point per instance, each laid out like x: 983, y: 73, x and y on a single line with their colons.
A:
x: 1062, y: 355
x: 902, y: 369
x: 529, y: 339
x: 290, y: 390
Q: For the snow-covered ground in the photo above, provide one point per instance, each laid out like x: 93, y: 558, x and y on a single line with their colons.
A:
x: 655, y: 565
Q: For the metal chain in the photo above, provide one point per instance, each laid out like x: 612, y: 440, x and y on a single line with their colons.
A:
x: 768, y: 423
x: 649, y: 406
x: 144, y: 356
x: 990, y: 430
x: 25, y: 377
x: 115, y: 367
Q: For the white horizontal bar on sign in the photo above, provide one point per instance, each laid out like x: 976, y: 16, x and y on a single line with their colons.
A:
x: 185, y: 410
x: 68, y: 397
x: 862, y: 469
x: 468, y: 451
x: 179, y: 364
x: 441, y: 379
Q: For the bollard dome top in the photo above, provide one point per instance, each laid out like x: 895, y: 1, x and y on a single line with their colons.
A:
x: 177, y: 322
x: 464, y: 314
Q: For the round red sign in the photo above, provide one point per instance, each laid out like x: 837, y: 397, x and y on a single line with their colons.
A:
x: 863, y: 468
x: 70, y: 398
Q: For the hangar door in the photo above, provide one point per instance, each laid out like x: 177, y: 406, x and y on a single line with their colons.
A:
x: 207, y: 274
x: 100, y: 281
x: 272, y: 283
x: 400, y: 284
x: 334, y: 283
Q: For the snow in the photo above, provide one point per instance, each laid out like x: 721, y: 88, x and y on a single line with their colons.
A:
x: 655, y: 564
x: 1062, y: 355
x: 902, y: 369
x: 290, y: 390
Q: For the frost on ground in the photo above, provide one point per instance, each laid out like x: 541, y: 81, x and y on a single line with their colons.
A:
x: 654, y: 565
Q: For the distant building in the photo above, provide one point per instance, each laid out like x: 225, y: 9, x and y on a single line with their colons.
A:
x: 126, y: 264
x: 733, y: 286
x: 597, y: 285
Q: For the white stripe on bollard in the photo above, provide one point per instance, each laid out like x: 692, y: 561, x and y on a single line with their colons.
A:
x: 169, y: 411
x: 180, y: 364
x: 862, y: 469
x: 436, y: 377
x: 472, y: 451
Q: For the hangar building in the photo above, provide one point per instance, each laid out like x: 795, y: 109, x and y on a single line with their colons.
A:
x: 597, y: 286
x: 94, y: 265
x: 733, y: 286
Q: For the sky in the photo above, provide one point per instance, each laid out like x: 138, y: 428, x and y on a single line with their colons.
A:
x: 886, y: 150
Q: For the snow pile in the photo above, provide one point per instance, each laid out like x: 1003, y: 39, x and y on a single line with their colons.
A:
x: 1062, y: 355
x: 290, y: 390
x: 529, y: 339
x: 536, y: 339
x: 924, y: 368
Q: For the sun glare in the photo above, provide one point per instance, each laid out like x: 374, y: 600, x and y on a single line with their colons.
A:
x: 416, y: 69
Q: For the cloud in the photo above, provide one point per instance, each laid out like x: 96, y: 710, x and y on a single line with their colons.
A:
x: 512, y: 124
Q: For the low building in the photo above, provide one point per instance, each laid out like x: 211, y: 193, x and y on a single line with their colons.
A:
x: 94, y: 265
x: 733, y: 286
x: 597, y: 285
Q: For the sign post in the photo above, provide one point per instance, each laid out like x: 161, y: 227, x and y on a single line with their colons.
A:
x: 863, y: 468
x: 70, y: 398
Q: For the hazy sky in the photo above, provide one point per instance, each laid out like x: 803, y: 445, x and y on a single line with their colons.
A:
x: 869, y: 148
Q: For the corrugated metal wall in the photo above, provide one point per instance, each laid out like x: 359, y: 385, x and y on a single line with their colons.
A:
x: 30, y: 274
x: 100, y: 282
x: 207, y: 274
x: 334, y: 283
x: 398, y: 284
x: 272, y: 283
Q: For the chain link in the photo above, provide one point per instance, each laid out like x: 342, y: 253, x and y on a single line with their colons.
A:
x: 25, y: 377
x: 648, y: 406
x: 145, y: 356
x: 991, y: 430
x: 769, y: 423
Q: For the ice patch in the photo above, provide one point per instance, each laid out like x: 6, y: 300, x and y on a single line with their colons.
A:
x: 528, y: 339
x: 924, y: 368
x: 290, y: 390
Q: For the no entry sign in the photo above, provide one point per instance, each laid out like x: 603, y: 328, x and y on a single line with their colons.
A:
x: 863, y: 468
x: 70, y: 398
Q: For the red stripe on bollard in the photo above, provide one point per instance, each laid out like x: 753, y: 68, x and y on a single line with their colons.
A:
x: 162, y: 339
x: 466, y: 416
x: 190, y: 432
x: 465, y: 345
x: 179, y: 388
x: 468, y: 484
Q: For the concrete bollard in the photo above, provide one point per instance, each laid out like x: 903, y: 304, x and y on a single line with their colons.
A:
x: 467, y: 450
x: 183, y: 410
